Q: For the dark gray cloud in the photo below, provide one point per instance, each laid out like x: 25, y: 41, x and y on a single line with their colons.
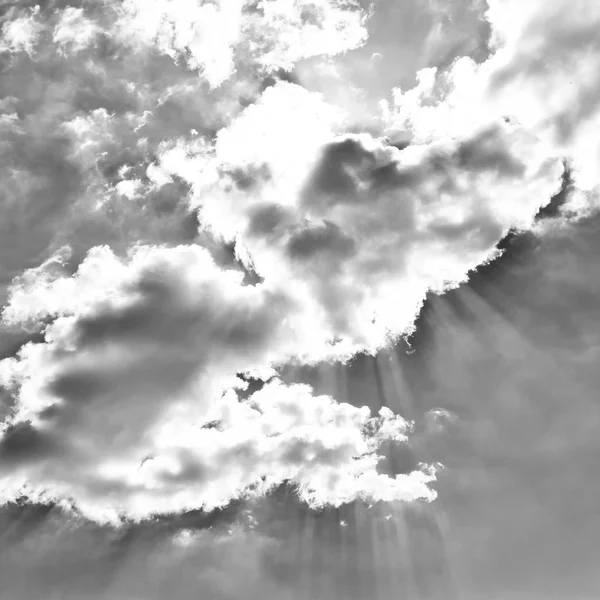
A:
x: 23, y: 442
x: 350, y: 173
x: 269, y: 220
x: 487, y: 152
x: 249, y: 178
x: 313, y: 241
x: 559, y: 202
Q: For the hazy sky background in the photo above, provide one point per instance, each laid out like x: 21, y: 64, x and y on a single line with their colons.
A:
x: 194, y: 191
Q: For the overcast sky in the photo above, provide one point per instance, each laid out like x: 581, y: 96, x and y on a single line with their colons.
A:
x: 299, y: 299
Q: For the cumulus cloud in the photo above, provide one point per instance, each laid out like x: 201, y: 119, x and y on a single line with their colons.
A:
x: 20, y: 34
x: 216, y: 37
x: 358, y: 228
x: 74, y: 31
x: 543, y: 74
x: 206, y: 32
x: 129, y: 406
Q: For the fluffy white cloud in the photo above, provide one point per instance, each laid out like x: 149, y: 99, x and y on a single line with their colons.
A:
x: 287, y: 31
x: 204, y: 33
x: 74, y: 31
x: 359, y: 229
x: 543, y: 75
x: 21, y: 33
x: 129, y: 406
x: 210, y: 36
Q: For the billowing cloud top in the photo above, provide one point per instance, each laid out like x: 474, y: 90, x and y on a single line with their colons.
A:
x: 182, y: 214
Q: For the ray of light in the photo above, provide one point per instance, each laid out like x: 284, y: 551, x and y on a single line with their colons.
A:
x: 398, y: 393
x: 403, y: 549
x: 346, y: 534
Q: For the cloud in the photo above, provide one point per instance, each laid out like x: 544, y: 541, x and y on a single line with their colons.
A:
x: 147, y: 339
x: 358, y: 228
x: 82, y: 118
x: 542, y: 75
x: 112, y: 410
x: 77, y: 81
x: 458, y: 30
x: 40, y: 182
x: 216, y: 37
x: 403, y: 37
x: 291, y: 31
x: 74, y: 31
x: 178, y: 218
x: 21, y: 34
x: 205, y: 32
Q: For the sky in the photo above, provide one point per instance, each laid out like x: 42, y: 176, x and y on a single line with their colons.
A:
x: 299, y: 299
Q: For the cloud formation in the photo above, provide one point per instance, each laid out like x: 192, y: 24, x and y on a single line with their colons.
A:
x: 358, y: 228
x: 129, y: 406
x: 177, y: 216
x: 543, y: 75
x: 218, y: 37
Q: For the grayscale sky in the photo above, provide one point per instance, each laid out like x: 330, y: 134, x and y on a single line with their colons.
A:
x: 299, y: 300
